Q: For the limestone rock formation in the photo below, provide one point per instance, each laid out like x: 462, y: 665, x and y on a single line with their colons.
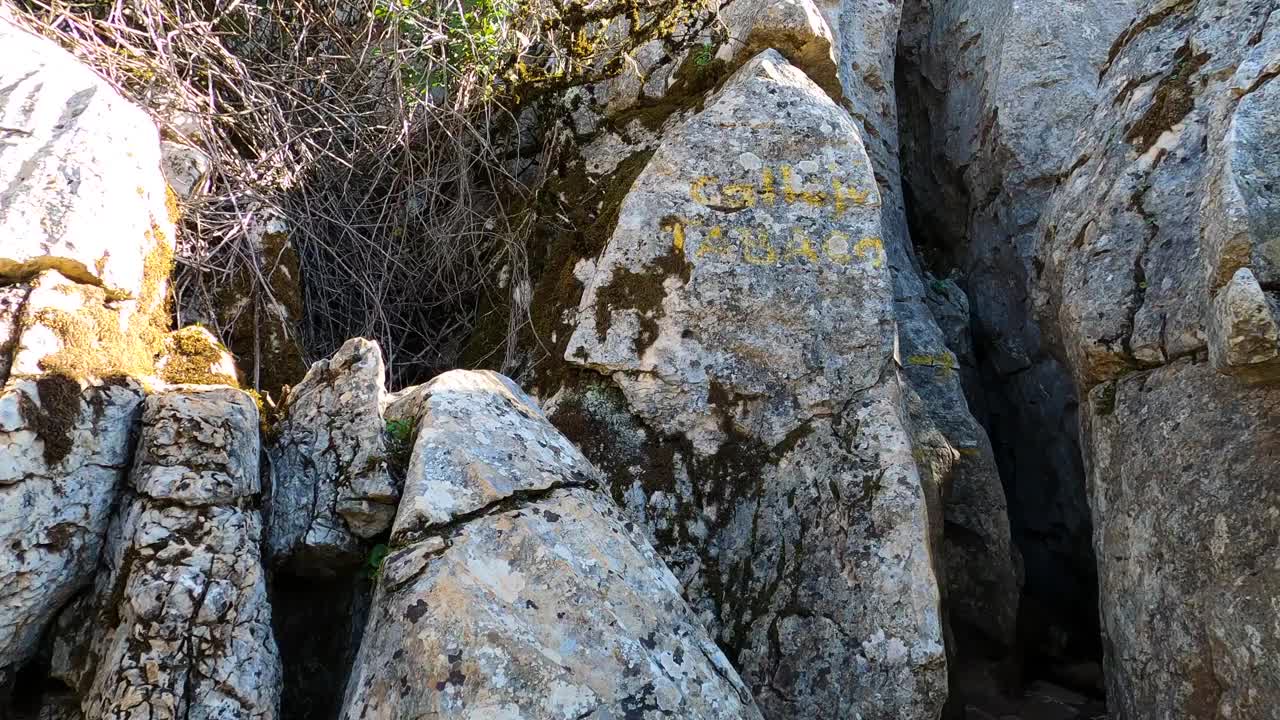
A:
x: 331, y: 488
x: 994, y: 95
x: 85, y: 247
x: 794, y: 28
x: 183, y: 627
x: 980, y: 571
x: 742, y: 309
x: 516, y: 590
x: 1142, y: 247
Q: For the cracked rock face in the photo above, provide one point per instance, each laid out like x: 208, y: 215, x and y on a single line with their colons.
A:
x: 331, y: 489
x: 1151, y: 248
x: 516, y: 590
x: 787, y: 230
x: 83, y: 275
x: 980, y: 572
x: 992, y: 97
x: 183, y: 625
x: 742, y: 309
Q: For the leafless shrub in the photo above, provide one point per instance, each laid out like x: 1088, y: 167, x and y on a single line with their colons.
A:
x: 382, y: 131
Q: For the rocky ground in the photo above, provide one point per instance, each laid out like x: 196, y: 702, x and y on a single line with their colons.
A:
x: 899, y: 360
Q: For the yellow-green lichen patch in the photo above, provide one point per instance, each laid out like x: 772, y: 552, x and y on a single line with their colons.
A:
x: 104, y: 337
x: 171, y: 205
x: 192, y: 356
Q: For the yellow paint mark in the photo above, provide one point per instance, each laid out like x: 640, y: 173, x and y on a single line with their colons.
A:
x: 756, y: 248
x: 945, y: 362
x: 845, y: 196
x: 871, y: 245
x: 800, y: 247
x: 791, y: 194
x: 745, y: 196
x: 696, y: 189
x: 676, y: 227
x: 767, y: 195
x: 714, y: 244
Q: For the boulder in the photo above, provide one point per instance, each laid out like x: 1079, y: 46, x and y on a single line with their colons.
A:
x: 1150, y: 249
x: 183, y: 626
x: 331, y: 489
x: 86, y: 253
x: 1243, y: 336
x: 794, y: 28
x: 752, y: 418
x: 516, y: 590
x: 1187, y: 528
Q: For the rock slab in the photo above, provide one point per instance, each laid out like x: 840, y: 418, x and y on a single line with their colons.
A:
x: 183, y: 625
x: 516, y: 590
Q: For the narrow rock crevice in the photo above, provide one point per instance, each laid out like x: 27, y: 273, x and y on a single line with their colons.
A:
x: 974, y: 185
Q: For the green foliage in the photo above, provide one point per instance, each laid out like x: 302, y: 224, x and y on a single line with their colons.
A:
x: 702, y: 55
x: 373, y: 564
x: 477, y: 39
x: 400, y: 435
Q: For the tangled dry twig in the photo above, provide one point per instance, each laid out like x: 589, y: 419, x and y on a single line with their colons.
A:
x: 383, y: 133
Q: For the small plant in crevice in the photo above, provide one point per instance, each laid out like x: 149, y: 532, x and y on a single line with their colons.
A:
x: 373, y: 563
x: 703, y: 55
x: 399, y: 435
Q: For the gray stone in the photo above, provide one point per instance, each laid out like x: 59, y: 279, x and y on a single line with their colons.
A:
x: 80, y: 174
x: 1147, y: 248
x: 185, y: 168
x: 184, y: 626
x: 1243, y: 336
x: 1187, y: 522
x: 742, y: 310
x: 994, y: 96
x: 979, y: 571
x: 517, y: 591
x: 83, y: 269
x: 61, y: 464
x: 794, y: 28
x: 331, y: 488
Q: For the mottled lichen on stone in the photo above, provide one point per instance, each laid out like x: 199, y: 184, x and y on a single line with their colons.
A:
x: 94, y: 344
x: 1172, y: 101
x: 193, y: 357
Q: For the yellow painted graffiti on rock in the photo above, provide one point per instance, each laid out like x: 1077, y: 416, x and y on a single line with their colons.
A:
x: 756, y: 246
x: 769, y: 189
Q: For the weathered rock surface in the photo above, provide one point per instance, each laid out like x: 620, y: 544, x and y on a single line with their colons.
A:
x: 516, y: 590
x: 992, y: 97
x: 1185, y: 510
x: 57, y: 115
x: 980, y: 571
x: 331, y: 488
x: 85, y: 255
x: 258, y: 309
x: 742, y: 309
x: 1142, y: 248
x: 794, y: 28
x: 183, y: 626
